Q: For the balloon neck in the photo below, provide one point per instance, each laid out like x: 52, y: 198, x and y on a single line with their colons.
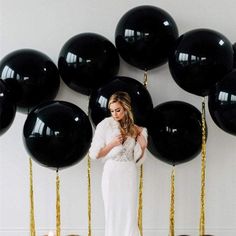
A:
x: 234, y: 49
x: 234, y: 46
x: 145, y: 82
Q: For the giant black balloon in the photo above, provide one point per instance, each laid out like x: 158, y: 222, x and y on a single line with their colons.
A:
x: 200, y: 58
x: 87, y: 61
x: 31, y: 76
x: 141, y: 100
x: 222, y: 103
x: 7, y: 108
x: 175, y: 133
x: 234, y: 48
x: 144, y: 36
x: 57, y: 134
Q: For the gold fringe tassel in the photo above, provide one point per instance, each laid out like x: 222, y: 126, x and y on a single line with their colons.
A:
x: 58, y: 206
x: 32, y: 220
x: 203, y: 172
x: 140, y: 202
x: 89, y: 195
x: 172, y: 204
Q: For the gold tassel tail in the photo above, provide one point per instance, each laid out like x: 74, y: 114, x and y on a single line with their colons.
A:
x: 203, y: 172
x: 32, y: 220
x: 58, y: 206
x: 172, y: 204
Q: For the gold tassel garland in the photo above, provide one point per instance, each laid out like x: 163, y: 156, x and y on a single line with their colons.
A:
x: 89, y: 196
x: 140, y: 201
x: 172, y: 204
x: 32, y: 220
x: 203, y: 172
x: 140, y: 207
x: 58, y: 206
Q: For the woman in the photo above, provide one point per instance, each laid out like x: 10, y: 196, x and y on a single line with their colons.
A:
x: 121, y: 144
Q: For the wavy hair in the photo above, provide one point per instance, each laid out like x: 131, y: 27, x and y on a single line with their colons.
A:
x: 127, y: 126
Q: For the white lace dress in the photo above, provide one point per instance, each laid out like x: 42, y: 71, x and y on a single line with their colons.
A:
x: 119, y: 180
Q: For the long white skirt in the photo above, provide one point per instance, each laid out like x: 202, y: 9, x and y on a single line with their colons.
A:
x: 120, y: 193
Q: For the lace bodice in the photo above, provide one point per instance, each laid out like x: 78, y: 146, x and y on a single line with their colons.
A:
x: 107, y: 130
x: 127, y: 151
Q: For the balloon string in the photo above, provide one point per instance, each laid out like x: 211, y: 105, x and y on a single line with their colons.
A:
x: 32, y: 220
x: 140, y: 207
x: 203, y: 171
x: 89, y: 195
x: 58, y: 206
x: 172, y: 204
x: 145, y: 82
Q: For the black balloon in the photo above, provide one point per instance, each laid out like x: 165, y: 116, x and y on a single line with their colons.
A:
x: 199, y: 59
x: 57, y: 134
x: 175, y: 132
x: 222, y: 103
x: 141, y: 100
x: 31, y: 76
x: 234, y: 48
x: 87, y: 61
x: 144, y: 36
x: 7, y: 108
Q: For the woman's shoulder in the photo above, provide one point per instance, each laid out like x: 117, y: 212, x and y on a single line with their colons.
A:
x: 105, y: 122
x: 106, y: 126
x: 140, y: 128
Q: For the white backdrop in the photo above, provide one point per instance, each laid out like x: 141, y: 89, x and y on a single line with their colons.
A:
x: 45, y: 25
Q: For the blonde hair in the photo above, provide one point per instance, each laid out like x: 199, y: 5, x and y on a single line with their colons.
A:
x: 127, y: 126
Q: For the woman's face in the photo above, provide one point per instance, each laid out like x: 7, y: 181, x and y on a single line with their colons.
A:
x: 117, y: 111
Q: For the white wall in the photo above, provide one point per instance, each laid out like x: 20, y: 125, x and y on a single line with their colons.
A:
x: 46, y: 25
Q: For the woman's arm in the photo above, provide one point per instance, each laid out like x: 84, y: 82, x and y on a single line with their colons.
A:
x: 141, y: 143
x: 142, y: 140
x: 141, y: 137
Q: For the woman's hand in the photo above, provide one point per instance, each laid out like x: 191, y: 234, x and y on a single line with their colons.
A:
x: 118, y: 140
